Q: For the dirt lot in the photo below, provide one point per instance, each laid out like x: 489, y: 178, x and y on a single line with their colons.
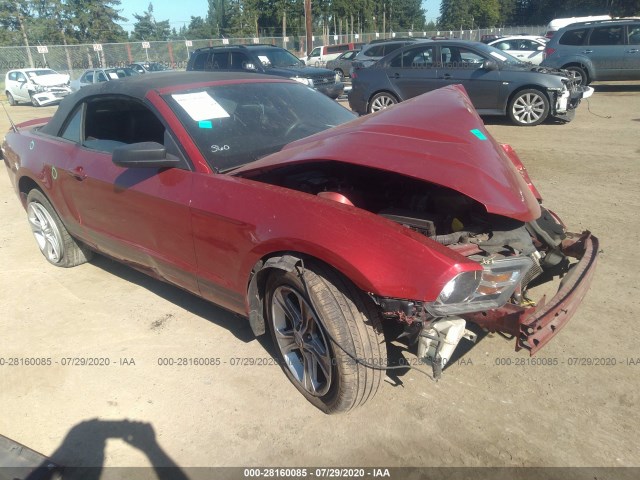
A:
x: 555, y: 413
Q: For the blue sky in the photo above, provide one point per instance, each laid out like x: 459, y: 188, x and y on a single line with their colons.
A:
x: 179, y: 13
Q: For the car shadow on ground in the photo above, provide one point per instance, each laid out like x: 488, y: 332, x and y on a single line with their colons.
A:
x: 235, y: 324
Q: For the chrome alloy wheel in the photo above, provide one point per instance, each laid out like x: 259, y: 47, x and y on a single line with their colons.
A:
x: 380, y: 102
x: 46, y: 232
x: 529, y: 108
x: 302, y: 341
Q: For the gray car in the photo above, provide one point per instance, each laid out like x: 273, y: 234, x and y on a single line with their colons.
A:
x: 598, y: 50
x: 99, y: 75
x: 375, y: 50
x: 342, y: 65
x: 497, y: 83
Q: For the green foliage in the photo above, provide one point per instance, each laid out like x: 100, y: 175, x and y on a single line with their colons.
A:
x: 147, y: 28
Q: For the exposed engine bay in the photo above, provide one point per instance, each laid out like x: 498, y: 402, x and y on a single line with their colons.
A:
x: 440, y: 213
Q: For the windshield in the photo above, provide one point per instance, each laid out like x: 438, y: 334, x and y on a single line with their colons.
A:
x: 503, y: 56
x: 236, y: 124
x: 115, y: 73
x: 276, y: 57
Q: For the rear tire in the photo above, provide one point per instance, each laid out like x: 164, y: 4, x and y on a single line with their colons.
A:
x: 10, y: 99
x: 53, y: 239
x: 381, y: 100
x: 306, y: 323
x: 581, y: 76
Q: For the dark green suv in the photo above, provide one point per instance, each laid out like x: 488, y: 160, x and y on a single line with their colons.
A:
x: 597, y: 50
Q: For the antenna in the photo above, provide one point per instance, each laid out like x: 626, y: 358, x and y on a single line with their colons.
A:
x: 13, y: 125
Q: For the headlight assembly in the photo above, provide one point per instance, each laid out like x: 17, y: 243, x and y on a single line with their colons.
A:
x: 478, y: 291
x: 304, y: 81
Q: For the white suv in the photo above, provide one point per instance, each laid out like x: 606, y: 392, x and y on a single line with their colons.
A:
x: 39, y: 86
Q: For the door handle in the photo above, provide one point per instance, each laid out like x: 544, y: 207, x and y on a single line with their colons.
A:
x: 78, y: 173
x: 396, y: 75
x: 633, y: 50
x: 587, y: 51
x: 447, y: 76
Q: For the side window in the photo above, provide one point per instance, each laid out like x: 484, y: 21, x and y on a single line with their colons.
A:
x: 115, y: 121
x: 504, y: 46
x: 13, y: 76
x: 414, y: 58
x: 606, y: 36
x: 391, y: 47
x: 219, y: 61
x: 200, y: 60
x: 634, y: 34
x: 573, y: 37
x: 102, y: 77
x: 527, y: 45
x: 239, y: 60
x: 376, y: 51
x: 20, y: 77
x: 138, y: 68
x: 316, y: 52
x: 73, y: 130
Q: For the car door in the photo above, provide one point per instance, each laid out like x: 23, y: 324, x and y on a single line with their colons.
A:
x: 632, y: 53
x: 137, y: 215
x: 527, y: 50
x: 606, y: 48
x: 412, y: 72
x: 21, y: 88
x: 461, y: 64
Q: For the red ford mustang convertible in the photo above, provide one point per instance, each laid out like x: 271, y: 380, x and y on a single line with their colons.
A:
x: 271, y: 200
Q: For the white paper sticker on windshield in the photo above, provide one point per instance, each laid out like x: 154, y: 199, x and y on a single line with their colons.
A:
x: 113, y: 75
x: 499, y: 57
x: 264, y: 59
x: 200, y: 106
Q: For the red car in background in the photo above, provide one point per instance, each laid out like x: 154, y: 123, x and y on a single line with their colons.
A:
x: 271, y: 200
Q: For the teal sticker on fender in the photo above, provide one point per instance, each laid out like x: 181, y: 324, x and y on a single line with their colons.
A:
x: 478, y: 134
x: 205, y: 124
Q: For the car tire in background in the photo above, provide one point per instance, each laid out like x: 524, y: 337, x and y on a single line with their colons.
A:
x: 381, y: 100
x: 53, y: 239
x: 528, y: 107
x: 320, y: 322
x: 340, y: 74
x: 580, y: 75
x: 10, y: 99
x: 34, y: 102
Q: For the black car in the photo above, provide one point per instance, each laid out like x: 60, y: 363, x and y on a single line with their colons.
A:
x: 497, y: 83
x: 267, y: 59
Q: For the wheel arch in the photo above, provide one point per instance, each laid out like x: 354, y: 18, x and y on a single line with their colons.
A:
x: 530, y: 86
x: 25, y: 185
x: 588, y: 69
x: 286, y: 261
x: 382, y: 90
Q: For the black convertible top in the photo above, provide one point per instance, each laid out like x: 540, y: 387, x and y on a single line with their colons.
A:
x: 139, y: 85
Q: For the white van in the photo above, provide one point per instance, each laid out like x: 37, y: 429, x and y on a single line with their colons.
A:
x: 557, y: 23
x: 319, y: 56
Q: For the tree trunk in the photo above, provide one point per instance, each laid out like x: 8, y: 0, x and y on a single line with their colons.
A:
x: 25, y: 39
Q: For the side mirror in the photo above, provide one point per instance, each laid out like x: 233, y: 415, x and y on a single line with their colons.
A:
x: 144, y: 155
x: 489, y: 65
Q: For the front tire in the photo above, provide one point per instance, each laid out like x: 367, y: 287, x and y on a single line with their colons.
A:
x: 312, y: 328
x: 381, y: 100
x: 53, y: 239
x: 34, y: 102
x: 528, y: 108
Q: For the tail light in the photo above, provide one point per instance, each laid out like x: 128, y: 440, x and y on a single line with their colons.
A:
x: 548, y: 51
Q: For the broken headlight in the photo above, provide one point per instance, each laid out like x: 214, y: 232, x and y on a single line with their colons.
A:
x: 478, y: 291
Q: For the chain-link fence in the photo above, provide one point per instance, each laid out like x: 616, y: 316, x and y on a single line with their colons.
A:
x: 74, y: 59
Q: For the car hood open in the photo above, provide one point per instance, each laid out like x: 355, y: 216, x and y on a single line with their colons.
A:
x: 50, y: 80
x: 437, y: 137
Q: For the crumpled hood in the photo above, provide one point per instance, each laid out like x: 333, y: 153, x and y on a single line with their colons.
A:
x: 436, y: 137
x: 50, y: 80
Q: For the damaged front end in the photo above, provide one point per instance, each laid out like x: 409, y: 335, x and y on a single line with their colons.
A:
x: 566, y: 99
